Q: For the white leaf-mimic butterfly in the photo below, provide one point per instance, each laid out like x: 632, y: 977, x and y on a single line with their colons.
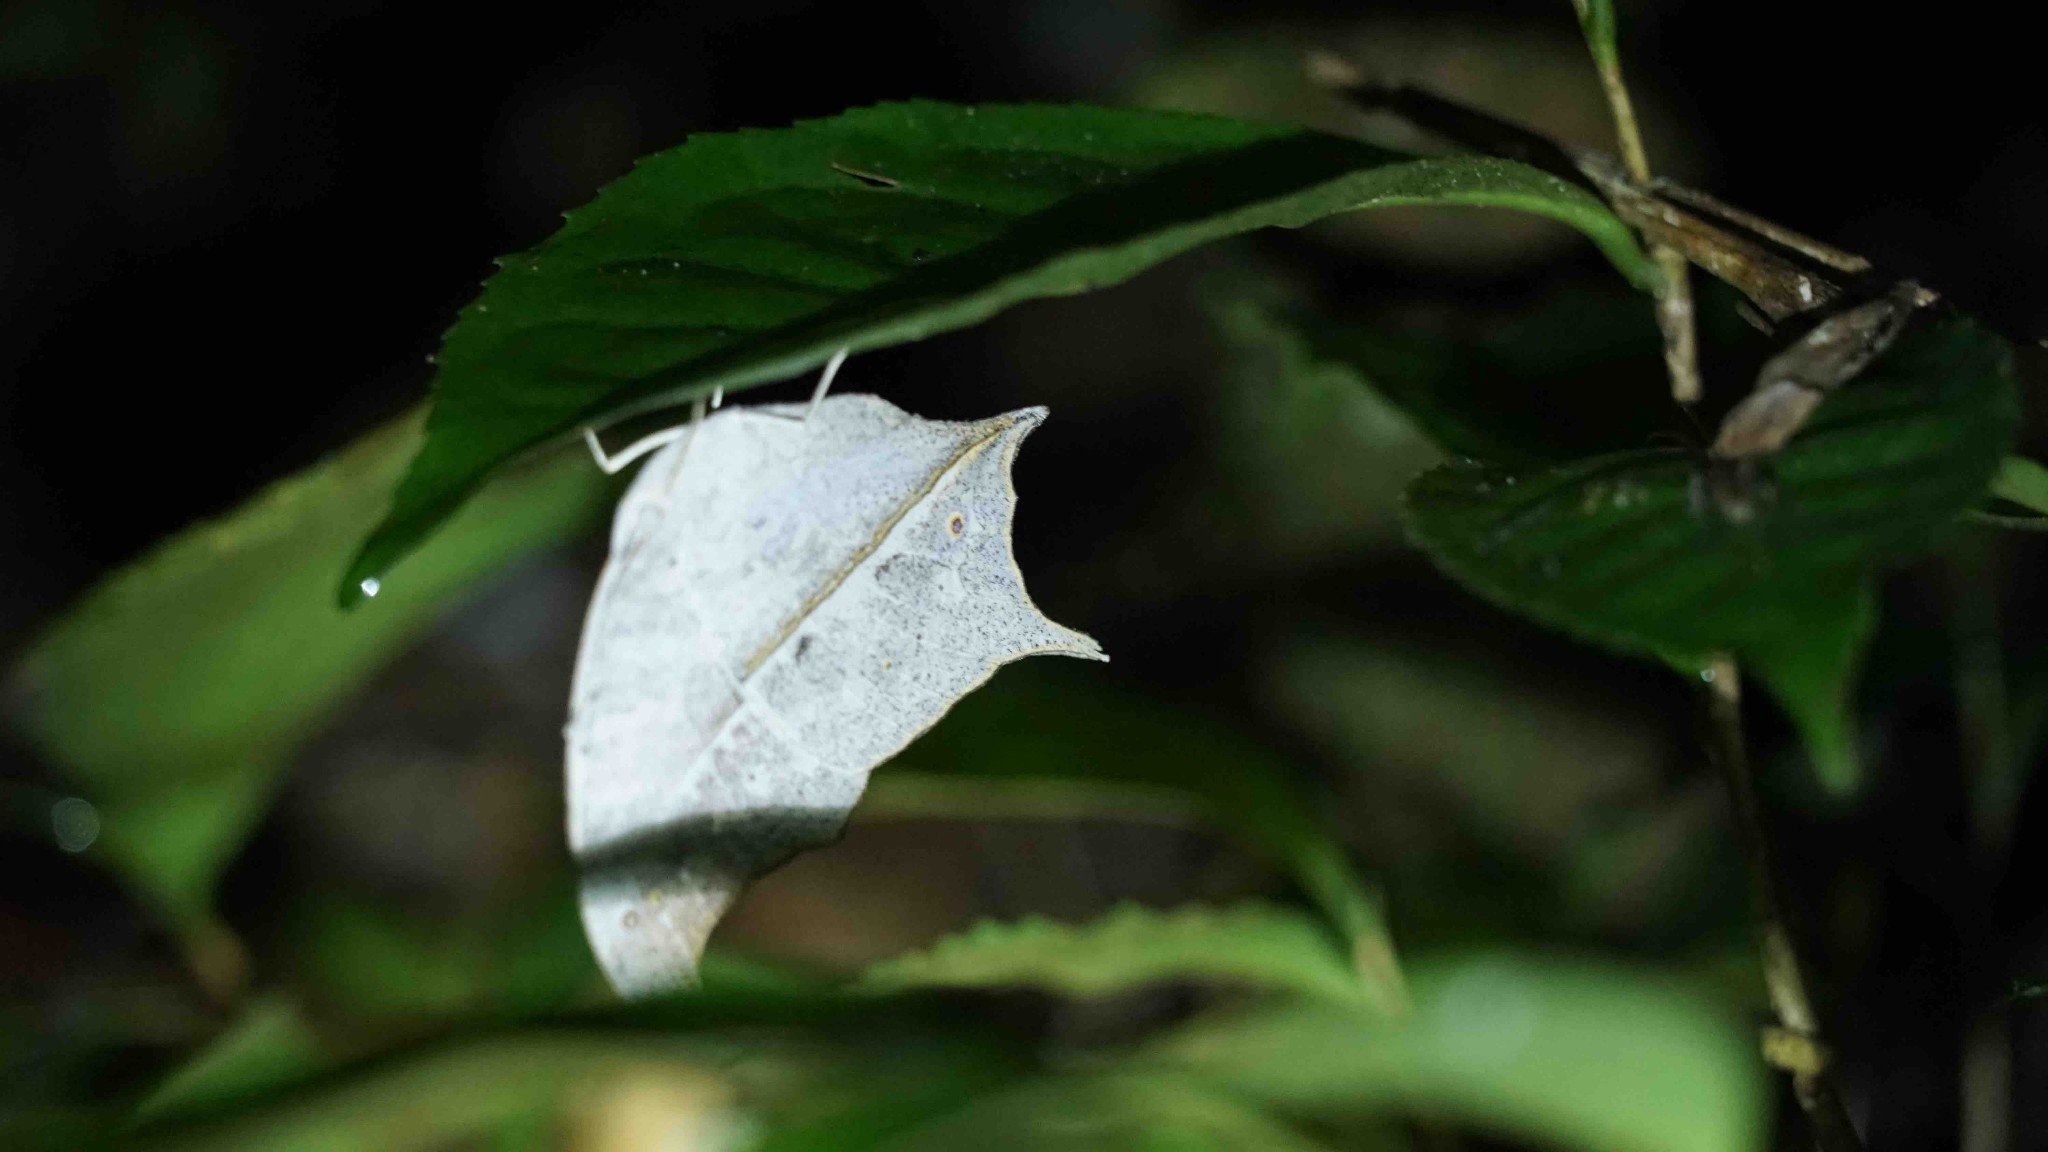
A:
x: 793, y: 595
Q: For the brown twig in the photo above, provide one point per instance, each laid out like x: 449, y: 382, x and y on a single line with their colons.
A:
x: 1795, y: 1045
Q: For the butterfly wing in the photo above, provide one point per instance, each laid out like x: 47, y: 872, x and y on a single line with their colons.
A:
x: 787, y: 604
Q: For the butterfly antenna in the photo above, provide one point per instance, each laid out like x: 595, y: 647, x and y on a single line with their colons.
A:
x: 825, y: 381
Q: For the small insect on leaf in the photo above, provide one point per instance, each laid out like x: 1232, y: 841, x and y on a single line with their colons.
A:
x: 1794, y: 382
x: 788, y: 603
x: 1789, y: 388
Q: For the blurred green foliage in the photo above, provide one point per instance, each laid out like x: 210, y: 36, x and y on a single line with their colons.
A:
x: 1134, y: 946
x: 1557, y: 1052
x: 177, y: 692
x: 1049, y: 723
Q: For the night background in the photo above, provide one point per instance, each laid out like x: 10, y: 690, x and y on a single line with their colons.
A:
x: 231, y: 235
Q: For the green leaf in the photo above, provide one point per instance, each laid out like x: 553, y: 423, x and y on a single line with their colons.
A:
x: 269, y: 1046
x: 2023, y: 482
x: 866, y: 1096
x: 440, y: 1096
x: 1113, y: 1112
x: 793, y: 1060
x: 1553, y: 1052
x: 734, y: 260
x: 1518, y: 755
x: 1315, y: 463
x: 1039, y: 722
x: 1625, y: 550
x: 1132, y: 946
x: 1575, y: 375
x: 176, y: 692
x: 358, y: 953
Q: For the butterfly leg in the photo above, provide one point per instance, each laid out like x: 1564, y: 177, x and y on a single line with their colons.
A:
x: 825, y: 381
x: 611, y: 464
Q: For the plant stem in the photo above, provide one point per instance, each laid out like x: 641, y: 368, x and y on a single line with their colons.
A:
x: 1674, y: 295
x: 1991, y: 768
x: 1674, y: 319
x: 1795, y: 1044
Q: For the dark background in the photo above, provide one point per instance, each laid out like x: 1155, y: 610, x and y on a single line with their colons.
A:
x: 231, y: 233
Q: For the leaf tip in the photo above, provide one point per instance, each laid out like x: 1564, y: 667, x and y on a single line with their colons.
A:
x: 364, y: 578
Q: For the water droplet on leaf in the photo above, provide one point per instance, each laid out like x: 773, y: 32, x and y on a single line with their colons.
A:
x: 75, y: 823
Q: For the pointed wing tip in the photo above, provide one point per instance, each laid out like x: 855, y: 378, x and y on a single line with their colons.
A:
x: 1079, y: 645
x: 1025, y: 419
